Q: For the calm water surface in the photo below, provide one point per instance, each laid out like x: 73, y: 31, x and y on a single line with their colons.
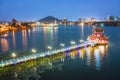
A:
x: 91, y: 63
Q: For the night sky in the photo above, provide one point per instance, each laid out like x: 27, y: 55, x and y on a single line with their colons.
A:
x: 72, y: 9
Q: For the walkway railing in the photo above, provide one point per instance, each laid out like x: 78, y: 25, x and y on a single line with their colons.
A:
x: 43, y: 54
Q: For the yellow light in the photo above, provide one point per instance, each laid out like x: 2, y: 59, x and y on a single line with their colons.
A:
x: 102, y: 49
x: 33, y: 50
x: 81, y: 24
x: 13, y: 55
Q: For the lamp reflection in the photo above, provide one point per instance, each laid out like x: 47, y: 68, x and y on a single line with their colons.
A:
x: 4, y: 44
x: 24, y: 39
x: 45, y: 35
x: 82, y: 32
x: 99, y: 54
x: 88, y: 54
x: 49, y: 35
x: 91, y: 56
x: 97, y: 59
x: 101, y: 49
x: 29, y: 32
x: 13, y: 39
x: 82, y: 55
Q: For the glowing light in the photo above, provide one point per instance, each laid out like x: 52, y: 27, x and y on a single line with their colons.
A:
x: 102, y: 49
x: 50, y: 52
x: 81, y: 41
x: 97, y: 59
x: 38, y: 23
x: 72, y: 42
x: 49, y: 47
x: 24, y: 39
x: 81, y: 24
x: 13, y: 55
x: 62, y: 44
x: 33, y: 50
x: 4, y: 44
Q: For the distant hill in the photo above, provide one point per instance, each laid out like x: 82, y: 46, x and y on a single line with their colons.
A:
x: 49, y: 19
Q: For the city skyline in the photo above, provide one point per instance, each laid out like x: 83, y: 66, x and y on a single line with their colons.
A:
x: 71, y: 9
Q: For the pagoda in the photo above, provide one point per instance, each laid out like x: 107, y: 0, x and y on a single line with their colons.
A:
x: 97, y: 36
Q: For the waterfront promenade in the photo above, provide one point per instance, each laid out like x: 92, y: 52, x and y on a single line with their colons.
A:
x: 35, y: 55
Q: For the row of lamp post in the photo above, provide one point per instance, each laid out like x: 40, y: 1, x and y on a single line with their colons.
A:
x: 50, y: 47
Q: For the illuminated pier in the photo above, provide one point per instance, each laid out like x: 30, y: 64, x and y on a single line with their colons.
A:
x: 43, y: 54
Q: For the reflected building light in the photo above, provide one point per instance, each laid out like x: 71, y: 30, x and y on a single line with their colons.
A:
x: 82, y: 24
x: 36, y: 29
x: 102, y: 49
x: 106, y: 48
x: 45, y: 35
x: 29, y: 32
x: 24, y: 39
x: 97, y: 59
x: 4, y: 44
x: 81, y: 53
x: 82, y: 31
x: 14, y: 39
x: 51, y: 34
x: 72, y: 55
x: 67, y: 54
x: 55, y: 28
x: 48, y: 32
x: 88, y: 56
x: 55, y: 35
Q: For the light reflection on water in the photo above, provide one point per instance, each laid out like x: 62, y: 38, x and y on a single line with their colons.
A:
x: 24, y: 39
x: 90, y: 61
x: 13, y: 39
x: 40, y: 37
x: 91, y: 57
x: 4, y: 44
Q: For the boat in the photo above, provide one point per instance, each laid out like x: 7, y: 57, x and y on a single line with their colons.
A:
x: 98, y: 36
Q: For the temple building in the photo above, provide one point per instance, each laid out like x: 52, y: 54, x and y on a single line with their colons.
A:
x: 98, y: 36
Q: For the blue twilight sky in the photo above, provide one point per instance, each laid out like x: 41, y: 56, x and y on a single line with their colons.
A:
x: 72, y: 9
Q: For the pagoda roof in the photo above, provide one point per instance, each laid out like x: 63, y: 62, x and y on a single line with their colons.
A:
x: 99, y: 29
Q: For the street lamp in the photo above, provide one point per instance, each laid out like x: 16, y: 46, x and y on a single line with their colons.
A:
x: 81, y: 41
x: 61, y: 44
x: 13, y: 55
x: 72, y: 42
x: 33, y: 50
x: 49, y: 47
